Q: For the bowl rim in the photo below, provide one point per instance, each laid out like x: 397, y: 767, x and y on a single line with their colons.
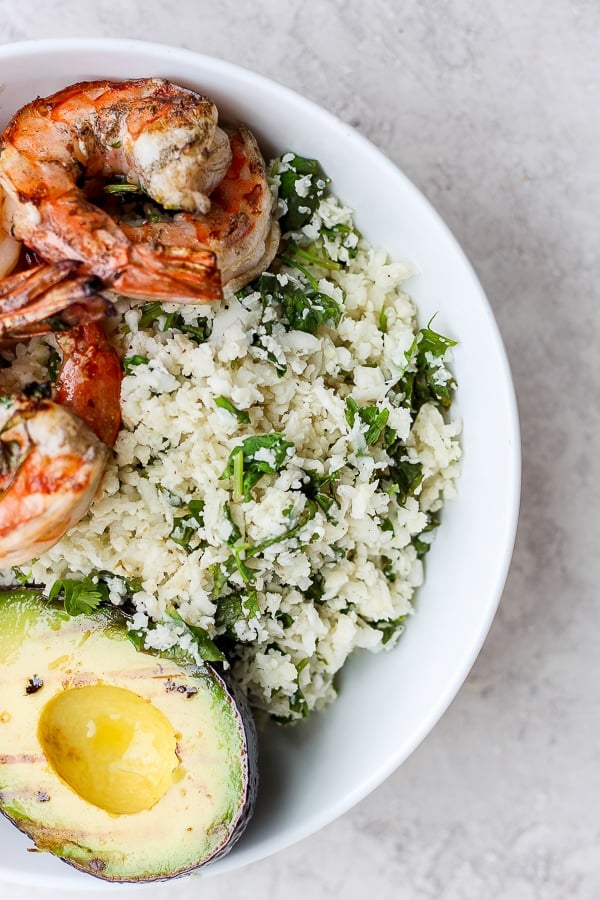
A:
x: 506, y: 539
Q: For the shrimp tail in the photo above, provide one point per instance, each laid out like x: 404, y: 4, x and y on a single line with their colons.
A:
x: 179, y: 274
x: 50, y: 297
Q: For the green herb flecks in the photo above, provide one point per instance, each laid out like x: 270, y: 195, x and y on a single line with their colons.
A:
x: 240, y: 414
x: 303, y: 307
x: 285, y: 619
x: 422, y: 542
x: 426, y: 379
x: 390, y: 628
x: 321, y: 489
x: 186, y: 526
x: 152, y: 312
x: 373, y: 419
x: 302, y: 184
x: 130, y: 363
x: 207, y: 649
x: 234, y: 604
x: 349, y: 235
x: 123, y: 187
x: 311, y: 255
x: 258, y: 455
x: 234, y: 608
x: 404, y: 474
x: 54, y: 362
x: 80, y: 597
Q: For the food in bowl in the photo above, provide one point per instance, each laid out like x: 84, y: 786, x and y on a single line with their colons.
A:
x: 284, y: 452
x: 103, y: 745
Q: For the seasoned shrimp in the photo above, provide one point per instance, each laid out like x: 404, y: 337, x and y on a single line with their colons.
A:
x: 240, y: 227
x: 53, y: 453
x: 161, y: 137
x: 89, y: 380
x: 9, y: 247
x: 44, y: 297
x: 51, y: 464
x: 49, y: 297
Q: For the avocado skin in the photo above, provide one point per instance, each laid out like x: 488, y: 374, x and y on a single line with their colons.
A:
x: 26, y: 609
x: 248, y: 723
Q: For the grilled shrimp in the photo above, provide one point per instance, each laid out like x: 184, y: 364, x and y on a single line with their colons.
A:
x: 240, y: 226
x: 51, y: 464
x: 161, y: 137
x: 53, y: 453
x: 9, y: 247
x: 89, y: 380
x: 50, y: 297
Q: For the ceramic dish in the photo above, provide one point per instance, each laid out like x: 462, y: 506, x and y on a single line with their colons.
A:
x: 388, y: 703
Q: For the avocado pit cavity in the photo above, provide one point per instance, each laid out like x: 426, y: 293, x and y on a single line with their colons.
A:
x: 112, y: 747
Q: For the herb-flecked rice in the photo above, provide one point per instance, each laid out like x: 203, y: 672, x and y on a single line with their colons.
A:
x: 284, y: 457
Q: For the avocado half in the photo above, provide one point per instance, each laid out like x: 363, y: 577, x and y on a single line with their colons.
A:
x: 128, y: 765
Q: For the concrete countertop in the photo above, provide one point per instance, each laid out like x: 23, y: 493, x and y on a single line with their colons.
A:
x: 492, y: 110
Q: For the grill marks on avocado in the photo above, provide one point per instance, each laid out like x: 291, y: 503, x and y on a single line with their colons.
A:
x: 209, y: 721
x: 34, y: 684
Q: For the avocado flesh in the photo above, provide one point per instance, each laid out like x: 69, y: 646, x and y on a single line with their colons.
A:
x: 43, y: 653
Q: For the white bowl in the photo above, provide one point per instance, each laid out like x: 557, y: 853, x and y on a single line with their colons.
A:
x: 388, y: 703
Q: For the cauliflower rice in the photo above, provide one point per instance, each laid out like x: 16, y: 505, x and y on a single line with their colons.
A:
x: 286, y: 553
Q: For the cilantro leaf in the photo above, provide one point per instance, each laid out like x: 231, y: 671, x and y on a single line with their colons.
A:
x: 130, y: 363
x: 374, y: 418
x: 240, y: 414
x: 390, y: 628
x: 303, y: 306
x: 426, y: 378
x: 422, y: 542
x: 54, y: 363
x: 321, y: 489
x: 185, y: 527
x: 302, y: 184
x: 258, y: 455
x: 207, y: 648
x: 151, y: 312
x: 80, y: 597
x: 235, y: 608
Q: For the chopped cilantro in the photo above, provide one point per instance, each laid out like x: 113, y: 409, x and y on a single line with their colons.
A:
x: 185, y: 527
x: 303, y: 307
x: 235, y: 608
x: 285, y: 619
x: 258, y: 455
x: 390, y: 628
x: 405, y: 475
x: 317, y: 588
x: 54, y: 361
x: 122, y: 187
x: 321, y: 489
x: 334, y: 232
x: 240, y: 414
x: 80, y: 597
x: 374, y: 418
x: 21, y: 576
x: 422, y: 542
x: 207, y: 649
x: 382, y: 323
x: 130, y: 362
x: 151, y: 312
x: 302, y: 184
x: 299, y: 256
x: 426, y: 379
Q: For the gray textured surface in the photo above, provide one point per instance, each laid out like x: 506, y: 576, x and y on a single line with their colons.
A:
x: 492, y: 110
